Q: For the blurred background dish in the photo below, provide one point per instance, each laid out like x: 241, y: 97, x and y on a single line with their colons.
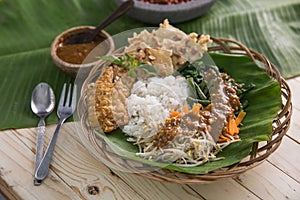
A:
x: 154, y: 13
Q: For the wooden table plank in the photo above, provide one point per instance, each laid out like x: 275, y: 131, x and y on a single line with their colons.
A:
x: 269, y: 182
x: 287, y: 158
x: 297, y: 78
x: 294, y: 131
x: 73, y: 165
x: 17, y: 173
x: 295, y: 87
x: 150, y: 189
x: 226, y: 189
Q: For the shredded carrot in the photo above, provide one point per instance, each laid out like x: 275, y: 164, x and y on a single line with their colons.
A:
x: 185, y: 109
x: 232, y: 128
x: 240, y: 118
x: 174, y: 114
x: 223, y: 138
x: 196, y: 108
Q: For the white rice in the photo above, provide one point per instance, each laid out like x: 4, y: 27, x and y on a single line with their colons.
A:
x: 150, y: 104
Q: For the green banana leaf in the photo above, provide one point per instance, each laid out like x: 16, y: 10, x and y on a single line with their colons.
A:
x: 264, y: 104
x: 270, y: 27
x: 28, y: 27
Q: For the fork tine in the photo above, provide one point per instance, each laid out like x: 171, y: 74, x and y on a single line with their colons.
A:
x: 62, y: 96
x: 68, y: 96
x: 74, y: 97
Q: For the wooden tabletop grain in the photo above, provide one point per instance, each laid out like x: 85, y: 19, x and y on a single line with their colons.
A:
x: 75, y: 174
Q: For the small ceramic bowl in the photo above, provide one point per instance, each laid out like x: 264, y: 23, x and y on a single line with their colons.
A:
x: 175, y: 13
x: 105, y: 47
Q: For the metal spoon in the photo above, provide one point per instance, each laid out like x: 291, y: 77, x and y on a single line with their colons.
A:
x: 42, y: 104
x: 90, y: 35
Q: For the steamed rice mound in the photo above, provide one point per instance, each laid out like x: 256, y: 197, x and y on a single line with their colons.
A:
x: 150, y: 103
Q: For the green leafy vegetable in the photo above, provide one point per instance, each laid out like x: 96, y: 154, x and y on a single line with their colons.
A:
x: 149, y: 69
x: 129, y: 62
x: 195, y: 73
x: 126, y: 61
x: 113, y: 59
x: 193, y: 101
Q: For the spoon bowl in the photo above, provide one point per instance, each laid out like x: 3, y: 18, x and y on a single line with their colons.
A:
x: 42, y: 100
x: 42, y: 104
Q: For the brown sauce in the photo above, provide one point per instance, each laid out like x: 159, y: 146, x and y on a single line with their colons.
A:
x: 77, y: 53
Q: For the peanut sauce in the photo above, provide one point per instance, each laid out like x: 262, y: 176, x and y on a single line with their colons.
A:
x: 76, y: 53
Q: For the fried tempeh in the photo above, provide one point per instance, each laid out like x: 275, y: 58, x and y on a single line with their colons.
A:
x: 107, y: 98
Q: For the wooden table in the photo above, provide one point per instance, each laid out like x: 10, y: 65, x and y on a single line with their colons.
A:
x: 75, y: 174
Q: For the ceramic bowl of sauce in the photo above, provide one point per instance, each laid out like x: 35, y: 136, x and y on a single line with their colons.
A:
x: 71, y: 58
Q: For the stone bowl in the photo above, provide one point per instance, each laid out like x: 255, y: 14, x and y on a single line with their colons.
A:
x: 175, y: 13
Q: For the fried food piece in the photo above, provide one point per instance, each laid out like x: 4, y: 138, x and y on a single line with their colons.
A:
x: 107, y: 98
x: 169, y: 131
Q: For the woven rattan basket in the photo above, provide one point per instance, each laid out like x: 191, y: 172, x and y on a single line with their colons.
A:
x: 260, y: 150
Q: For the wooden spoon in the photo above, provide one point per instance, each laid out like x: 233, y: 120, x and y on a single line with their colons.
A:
x: 90, y: 35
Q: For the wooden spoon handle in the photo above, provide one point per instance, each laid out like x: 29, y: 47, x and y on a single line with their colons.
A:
x: 115, y: 15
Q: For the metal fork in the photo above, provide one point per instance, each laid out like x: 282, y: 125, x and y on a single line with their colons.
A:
x: 66, y: 108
